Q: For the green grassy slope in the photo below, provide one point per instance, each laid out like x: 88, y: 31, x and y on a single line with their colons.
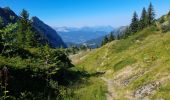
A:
x: 139, y: 66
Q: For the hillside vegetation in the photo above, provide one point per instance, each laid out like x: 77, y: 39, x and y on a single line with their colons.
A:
x: 30, y: 69
x: 136, y: 67
x: 133, y: 65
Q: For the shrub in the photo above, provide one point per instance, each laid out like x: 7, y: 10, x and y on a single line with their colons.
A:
x: 165, y: 28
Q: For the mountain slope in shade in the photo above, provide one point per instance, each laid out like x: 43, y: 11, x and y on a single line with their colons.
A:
x: 8, y: 16
x: 53, y: 38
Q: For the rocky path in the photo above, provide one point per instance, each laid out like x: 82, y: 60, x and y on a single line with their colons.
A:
x: 110, y: 95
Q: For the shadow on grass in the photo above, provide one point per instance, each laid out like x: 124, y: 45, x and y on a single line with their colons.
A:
x: 67, y: 77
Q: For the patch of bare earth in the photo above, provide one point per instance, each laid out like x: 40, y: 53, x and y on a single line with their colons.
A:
x: 111, y: 93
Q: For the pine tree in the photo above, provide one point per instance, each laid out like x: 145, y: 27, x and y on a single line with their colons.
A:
x: 23, y: 24
x: 8, y: 37
x: 25, y: 19
x: 127, y: 32
x: 25, y: 34
x: 111, y: 37
x: 143, y: 19
x: 105, y: 40
x: 118, y: 37
x: 162, y: 20
x: 151, y: 15
x: 47, y: 54
x: 135, y: 23
x: 20, y: 34
x: 24, y: 15
x: 30, y: 37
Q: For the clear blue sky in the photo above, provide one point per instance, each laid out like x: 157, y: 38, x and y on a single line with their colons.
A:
x: 85, y: 12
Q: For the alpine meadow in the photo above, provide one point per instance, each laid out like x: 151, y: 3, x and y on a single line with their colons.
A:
x: 85, y: 50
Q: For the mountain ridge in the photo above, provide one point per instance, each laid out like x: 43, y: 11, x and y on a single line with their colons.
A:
x: 80, y: 35
x: 9, y: 16
x: 54, y: 39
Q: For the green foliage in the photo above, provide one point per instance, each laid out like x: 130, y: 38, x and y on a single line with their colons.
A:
x: 25, y: 33
x: 147, y: 19
x: 39, y: 68
x: 127, y: 32
x: 143, y: 19
x: 111, y: 37
x: 76, y: 49
x: 24, y: 15
x: 151, y: 15
x: 41, y: 72
x: 83, y: 47
x: 163, y: 92
x: 30, y: 37
x: 123, y: 63
x: 135, y: 23
x: 162, y: 20
x: 105, y: 41
x: 93, y: 89
x: 8, y: 37
x: 108, y: 39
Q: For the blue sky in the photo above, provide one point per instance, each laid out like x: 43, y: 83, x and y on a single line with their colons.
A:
x: 78, y: 13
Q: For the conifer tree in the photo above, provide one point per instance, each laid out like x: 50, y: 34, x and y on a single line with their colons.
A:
x: 25, y: 34
x: 8, y: 36
x: 118, y: 37
x: 111, y: 37
x: 135, y: 23
x: 127, y: 32
x: 105, y: 40
x: 30, y: 37
x: 151, y: 15
x: 143, y: 19
x: 47, y: 54
x: 20, y: 34
x: 22, y: 27
x: 24, y: 15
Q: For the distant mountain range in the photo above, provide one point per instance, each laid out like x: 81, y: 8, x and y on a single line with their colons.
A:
x: 72, y: 35
x: 98, y: 41
x: 90, y: 36
x: 8, y: 16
